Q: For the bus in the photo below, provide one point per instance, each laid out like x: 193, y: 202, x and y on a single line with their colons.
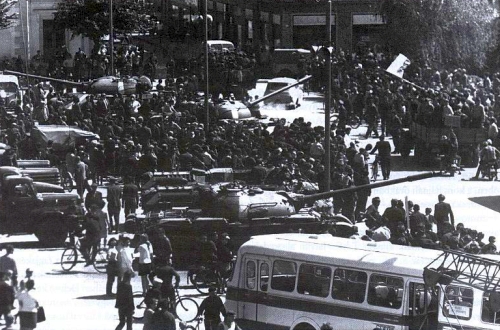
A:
x: 301, y: 281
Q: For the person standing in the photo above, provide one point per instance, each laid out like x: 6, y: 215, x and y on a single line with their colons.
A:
x: 125, y: 302
x: 112, y: 267
x: 81, y: 175
x: 212, y: 306
x: 92, y: 235
x: 28, y: 307
x: 443, y: 214
x: 130, y: 197
x: 384, y: 154
x: 114, y: 199
x: 145, y: 250
x: 7, y: 297
x: 8, y: 263
x: 125, y: 257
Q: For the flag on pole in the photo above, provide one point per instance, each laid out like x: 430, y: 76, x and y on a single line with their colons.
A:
x: 399, y: 65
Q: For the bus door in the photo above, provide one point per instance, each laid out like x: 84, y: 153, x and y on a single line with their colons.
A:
x: 422, y: 307
x: 252, y: 305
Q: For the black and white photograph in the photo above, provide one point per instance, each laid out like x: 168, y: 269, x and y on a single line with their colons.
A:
x: 249, y: 164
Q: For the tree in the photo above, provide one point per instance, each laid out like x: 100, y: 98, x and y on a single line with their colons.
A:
x: 7, y: 17
x: 90, y: 18
x: 457, y: 33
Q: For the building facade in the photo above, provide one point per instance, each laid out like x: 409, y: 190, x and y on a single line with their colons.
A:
x: 36, y: 31
x: 250, y: 24
x: 297, y: 23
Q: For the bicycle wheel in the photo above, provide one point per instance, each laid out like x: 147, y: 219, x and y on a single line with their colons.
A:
x: 69, y: 259
x: 203, y: 280
x: 67, y: 182
x: 101, y: 260
x: 374, y: 171
x: 186, y: 309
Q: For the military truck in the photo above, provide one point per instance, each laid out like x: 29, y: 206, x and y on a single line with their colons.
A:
x: 24, y: 210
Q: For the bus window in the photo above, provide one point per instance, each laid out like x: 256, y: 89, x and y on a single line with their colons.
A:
x: 251, y: 275
x: 488, y: 313
x: 349, y: 285
x: 419, y: 299
x: 284, y: 275
x: 458, y: 302
x: 264, y: 276
x: 314, y: 280
x: 385, y: 291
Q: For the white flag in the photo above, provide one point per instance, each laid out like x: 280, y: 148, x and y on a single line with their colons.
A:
x: 399, y: 65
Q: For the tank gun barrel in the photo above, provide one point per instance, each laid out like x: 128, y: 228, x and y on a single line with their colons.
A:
x: 265, y: 97
x: 68, y: 82
x: 300, y: 201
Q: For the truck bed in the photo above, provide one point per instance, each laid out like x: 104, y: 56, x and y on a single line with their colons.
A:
x: 432, y: 135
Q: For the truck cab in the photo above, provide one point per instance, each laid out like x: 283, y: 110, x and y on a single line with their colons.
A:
x: 23, y: 210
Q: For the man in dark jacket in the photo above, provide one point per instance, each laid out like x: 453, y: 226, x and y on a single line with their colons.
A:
x: 443, y: 214
x: 125, y: 302
x: 384, y: 154
x: 7, y: 298
x: 212, y: 306
x: 417, y: 220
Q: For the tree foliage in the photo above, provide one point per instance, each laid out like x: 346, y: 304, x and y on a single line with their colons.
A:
x: 442, y: 32
x: 7, y: 17
x: 90, y: 18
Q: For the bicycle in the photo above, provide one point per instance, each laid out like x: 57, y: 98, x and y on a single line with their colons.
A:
x: 66, y: 178
x: 198, y: 321
x: 185, y: 308
x: 375, y: 166
x: 202, y: 278
x: 69, y: 257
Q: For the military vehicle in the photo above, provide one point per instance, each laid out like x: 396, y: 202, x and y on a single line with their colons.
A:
x: 108, y: 85
x: 25, y: 210
x: 237, y: 210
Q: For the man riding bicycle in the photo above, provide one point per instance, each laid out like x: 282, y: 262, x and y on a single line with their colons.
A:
x: 166, y: 273
x: 90, y: 242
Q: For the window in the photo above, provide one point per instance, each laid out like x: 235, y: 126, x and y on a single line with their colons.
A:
x: 385, y: 291
x: 284, y: 275
x: 419, y: 299
x: 264, y: 276
x: 489, y: 312
x: 251, y: 275
x: 314, y: 280
x: 458, y: 302
x: 349, y: 285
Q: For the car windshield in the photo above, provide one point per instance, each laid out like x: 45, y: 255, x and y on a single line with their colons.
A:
x: 271, y: 87
x: 9, y: 87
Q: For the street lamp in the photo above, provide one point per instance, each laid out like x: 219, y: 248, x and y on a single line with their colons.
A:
x: 328, y: 94
x: 111, y: 39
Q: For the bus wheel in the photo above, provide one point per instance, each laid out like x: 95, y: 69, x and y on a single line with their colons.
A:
x: 304, y: 326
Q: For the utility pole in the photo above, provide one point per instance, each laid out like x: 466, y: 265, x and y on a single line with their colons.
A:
x: 207, y: 109
x: 328, y: 95
x: 111, y: 39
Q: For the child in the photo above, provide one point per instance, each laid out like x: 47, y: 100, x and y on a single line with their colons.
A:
x: 125, y: 302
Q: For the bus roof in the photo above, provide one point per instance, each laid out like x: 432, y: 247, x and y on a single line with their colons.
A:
x: 327, y: 249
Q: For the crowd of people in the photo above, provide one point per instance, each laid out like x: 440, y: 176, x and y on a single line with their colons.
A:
x: 167, y: 132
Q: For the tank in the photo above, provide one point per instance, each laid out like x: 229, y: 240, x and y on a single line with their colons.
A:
x: 239, y: 211
x: 107, y: 85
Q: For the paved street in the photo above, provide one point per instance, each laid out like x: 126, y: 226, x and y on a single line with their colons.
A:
x: 76, y: 300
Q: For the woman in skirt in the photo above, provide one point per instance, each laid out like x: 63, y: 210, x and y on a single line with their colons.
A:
x: 28, y: 307
x: 145, y: 250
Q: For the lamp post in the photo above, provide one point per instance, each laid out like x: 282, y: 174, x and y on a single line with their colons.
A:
x: 207, y: 109
x: 111, y: 39
x: 328, y: 95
